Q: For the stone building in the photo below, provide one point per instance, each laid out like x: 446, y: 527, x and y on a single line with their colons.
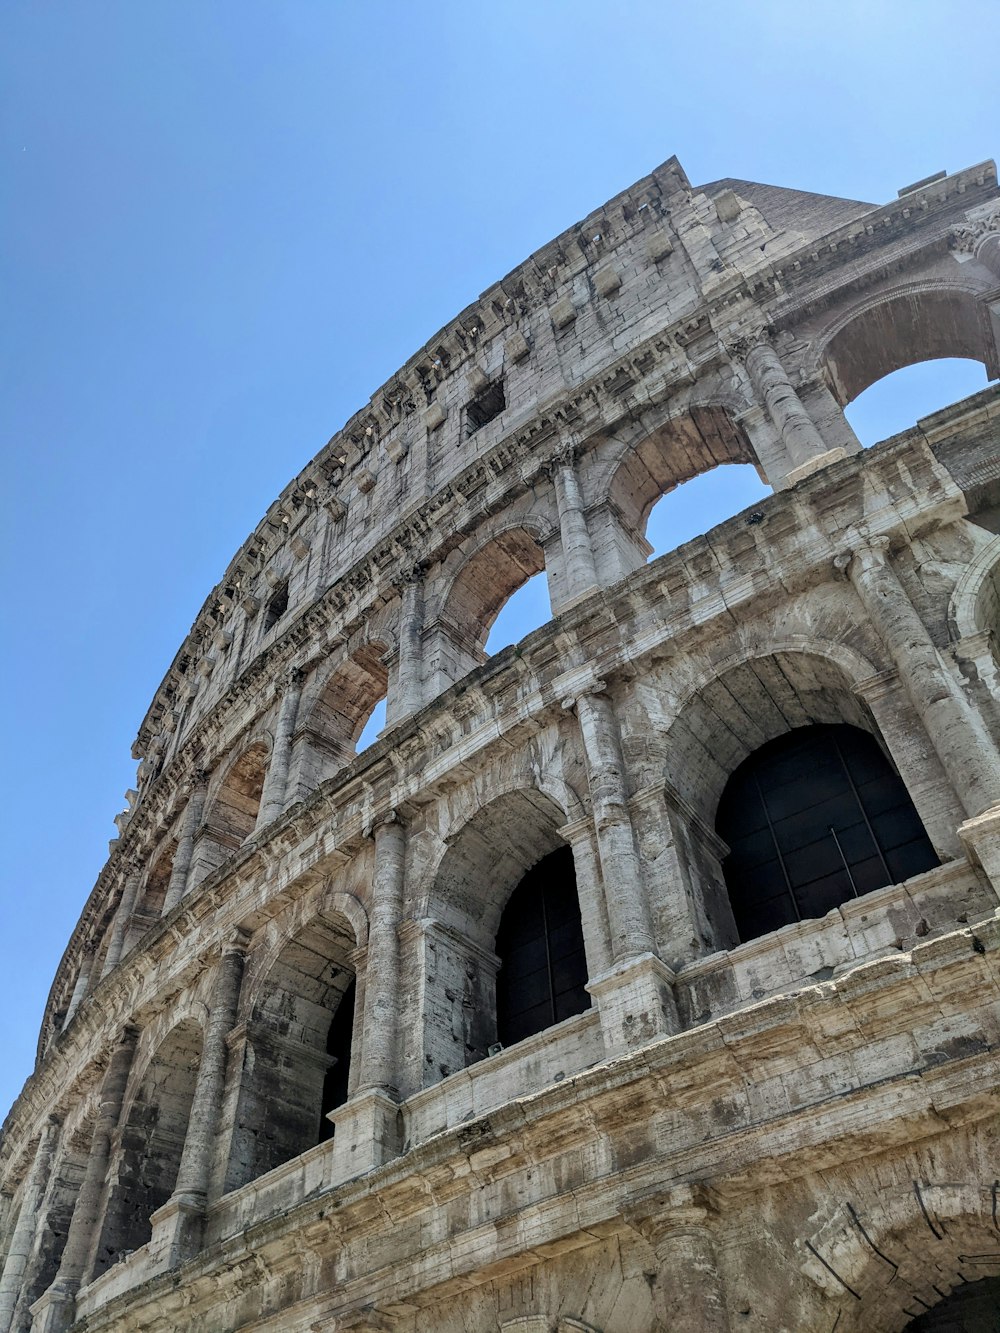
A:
x: 642, y: 976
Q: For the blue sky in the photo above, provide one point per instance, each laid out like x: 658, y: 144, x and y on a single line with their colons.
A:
x: 225, y: 223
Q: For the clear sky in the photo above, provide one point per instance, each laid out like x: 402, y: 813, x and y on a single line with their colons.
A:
x: 224, y: 223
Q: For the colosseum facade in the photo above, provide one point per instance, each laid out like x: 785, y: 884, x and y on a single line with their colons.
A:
x: 641, y: 976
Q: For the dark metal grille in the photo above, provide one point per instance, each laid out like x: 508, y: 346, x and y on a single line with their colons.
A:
x: 814, y: 818
x: 543, y: 968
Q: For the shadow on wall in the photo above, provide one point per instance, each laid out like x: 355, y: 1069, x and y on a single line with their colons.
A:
x: 898, y: 401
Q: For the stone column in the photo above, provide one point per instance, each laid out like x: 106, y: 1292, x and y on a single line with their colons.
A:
x: 367, y: 1126
x: 579, y: 568
x: 635, y: 995
x: 379, y: 1042
x: 688, y: 1294
x: 971, y: 762
x: 806, y: 448
x: 54, y: 1312
x: 190, y: 823
x: 272, y: 798
x: 628, y: 910
x: 408, y: 696
x: 79, y: 989
x: 120, y: 925
x: 28, y: 1220
x: 178, y: 1225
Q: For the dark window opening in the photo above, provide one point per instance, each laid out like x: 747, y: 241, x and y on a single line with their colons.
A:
x: 484, y: 407
x: 813, y: 819
x: 972, y: 1307
x: 276, y: 607
x: 338, y: 1046
x: 543, y: 967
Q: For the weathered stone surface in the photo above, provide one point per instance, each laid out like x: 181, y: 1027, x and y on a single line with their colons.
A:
x: 789, y: 1134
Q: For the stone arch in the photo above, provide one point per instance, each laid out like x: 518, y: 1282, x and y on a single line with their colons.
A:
x: 232, y: 810
x: 488, y: 577
x: 153, y: 1128
x: 295, y: 1007
x: 915, y: 321
x: 157, y: 878
x: 730, y: 710
x: 335, y: 707
x: 975, y: 600
x: 887, y: 1265
x: 735, y: 705
x: 55, y: 1212
x: 647, y: 463
x: 482, y: 863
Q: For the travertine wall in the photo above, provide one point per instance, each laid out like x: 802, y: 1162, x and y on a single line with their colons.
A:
x: 797, y: 1132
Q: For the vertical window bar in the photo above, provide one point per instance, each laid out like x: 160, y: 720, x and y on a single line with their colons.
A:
x: 850, y: 875
x: 548, y: 955
x: 864, y: 814
x: 777, y: 848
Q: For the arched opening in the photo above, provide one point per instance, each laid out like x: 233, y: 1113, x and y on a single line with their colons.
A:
x: 525, y: 610
x: 486, y: 584
x: 232, y: 815
x: 903, y: 330
x: 693, y: 507
x: 813, y: 818
x: 973, y: 1307
x: 741, y: 707
x: 543, y: 963
x: 680, y: 449
x: 299, y: 1040
x: 343, y: 719
x: 68, y: 1170
x: 901, y: 398
x: 154, y: 891
x: 152, y: 1140
x: 506, y: 888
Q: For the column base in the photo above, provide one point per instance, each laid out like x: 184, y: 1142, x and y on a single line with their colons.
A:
x: 177, y: 1231
x: 366, y: 1134
x: 814, y: 464
x: 55, y: 1310
x: 981, y: 837
x: 635, y: 1000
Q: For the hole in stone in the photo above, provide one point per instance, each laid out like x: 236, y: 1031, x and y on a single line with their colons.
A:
x: 484, y: 407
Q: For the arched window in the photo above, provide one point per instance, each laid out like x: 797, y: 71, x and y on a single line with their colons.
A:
x: 543, y: 967
x: 692, y: 507
x: 898, y: 400
x: 299, y: 1037
x: 813, y: 819
x: 525, y: 610
x: 970, y: 1307
x: 152, y: 1141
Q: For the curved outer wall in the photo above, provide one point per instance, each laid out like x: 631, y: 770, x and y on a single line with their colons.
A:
x: 794, y: 1132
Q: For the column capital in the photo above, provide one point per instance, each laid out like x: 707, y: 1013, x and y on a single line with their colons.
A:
x: 585, y: 690
x: 740, y: 347
x: 236, y: 941
x: 413, y: 574
x: 385, y: 819
x: 659, y: 1217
